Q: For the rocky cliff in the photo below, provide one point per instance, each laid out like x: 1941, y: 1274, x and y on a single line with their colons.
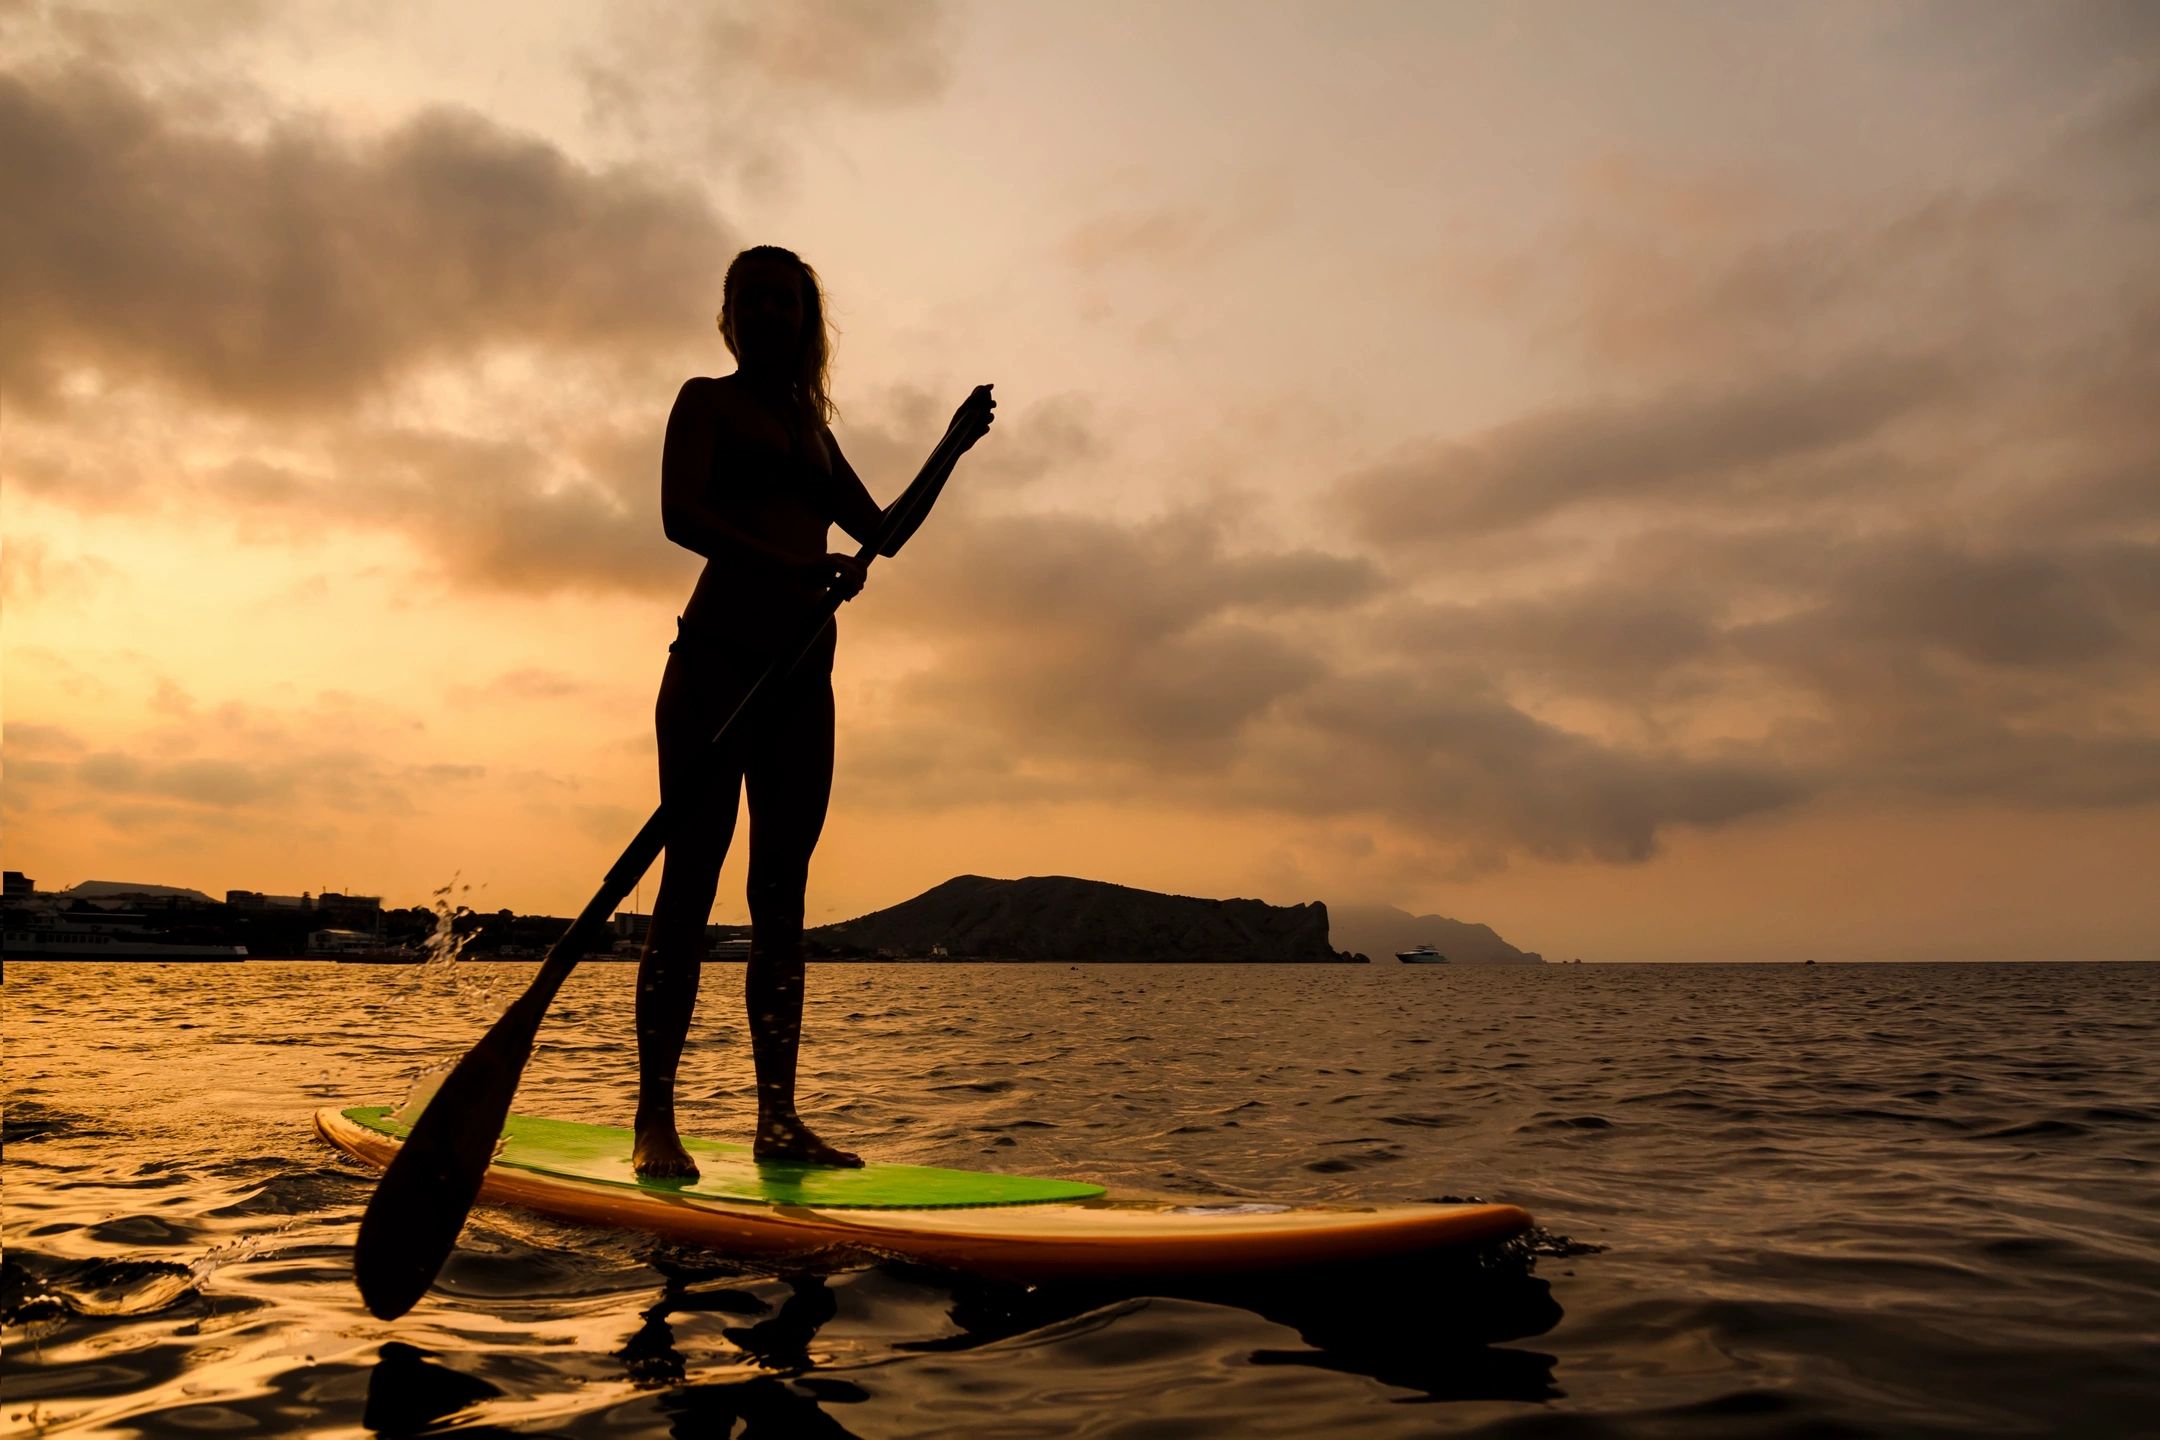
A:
x: 1057, y: 917
x: 1382, y: 930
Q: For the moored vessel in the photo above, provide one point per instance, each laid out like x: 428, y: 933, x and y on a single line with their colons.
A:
x: 106, y: 936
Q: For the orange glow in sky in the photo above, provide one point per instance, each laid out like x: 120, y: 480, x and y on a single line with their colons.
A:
x: 1666, y: 482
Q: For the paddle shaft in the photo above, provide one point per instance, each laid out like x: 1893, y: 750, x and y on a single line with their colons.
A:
x: 412, y: 1220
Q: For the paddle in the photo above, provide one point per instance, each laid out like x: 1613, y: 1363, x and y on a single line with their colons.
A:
x: 420, y: 1204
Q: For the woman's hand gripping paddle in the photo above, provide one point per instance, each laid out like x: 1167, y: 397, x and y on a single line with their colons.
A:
x: 420, y: 1204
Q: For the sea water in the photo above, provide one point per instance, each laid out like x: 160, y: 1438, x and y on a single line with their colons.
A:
x: 1831, y: 1200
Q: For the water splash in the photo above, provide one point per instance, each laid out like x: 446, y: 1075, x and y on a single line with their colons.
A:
x: 422, y: 1090
x: 443, y: 945
x: 457, y: 926
x: 473, y: 987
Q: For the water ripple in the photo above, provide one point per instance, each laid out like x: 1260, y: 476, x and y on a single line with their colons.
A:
x: 1774, y: 1201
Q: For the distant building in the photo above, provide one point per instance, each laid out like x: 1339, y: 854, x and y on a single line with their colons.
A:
x: 629, y: 925
x: 350, y: 910
x: 14, y: 884
x: 256, y: 900
x: 133, y: 895
x: 340, y: 942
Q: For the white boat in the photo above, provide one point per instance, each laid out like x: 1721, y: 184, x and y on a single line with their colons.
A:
x: 1422, y: 955
x: 112, y: 936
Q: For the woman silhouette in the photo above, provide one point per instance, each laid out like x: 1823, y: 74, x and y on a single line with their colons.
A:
x: 750, y: 478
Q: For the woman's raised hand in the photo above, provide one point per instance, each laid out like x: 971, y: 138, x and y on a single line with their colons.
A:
x: 972, y: 419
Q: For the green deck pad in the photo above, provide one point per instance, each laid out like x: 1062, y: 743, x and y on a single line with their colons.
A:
x: 601, y: 1153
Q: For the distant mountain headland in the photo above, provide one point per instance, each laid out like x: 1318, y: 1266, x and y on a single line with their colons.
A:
x: 1382, y: 931
x: 1058, y: 917
x: 969, y: 917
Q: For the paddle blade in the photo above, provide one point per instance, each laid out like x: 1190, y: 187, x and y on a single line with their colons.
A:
x: 420, y: 1204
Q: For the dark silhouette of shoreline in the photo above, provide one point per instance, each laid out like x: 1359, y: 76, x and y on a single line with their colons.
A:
x: 969, y: 919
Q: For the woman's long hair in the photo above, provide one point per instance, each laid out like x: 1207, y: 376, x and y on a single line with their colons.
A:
x: 814, y: 363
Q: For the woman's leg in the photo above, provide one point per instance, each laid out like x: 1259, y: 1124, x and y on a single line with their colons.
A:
x: 698, y: 788
x: 789, y: 780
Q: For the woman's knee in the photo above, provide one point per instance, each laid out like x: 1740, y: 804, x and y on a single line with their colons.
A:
x: 777, y: 889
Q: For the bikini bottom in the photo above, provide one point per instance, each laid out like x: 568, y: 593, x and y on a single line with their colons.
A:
x: 787, y: 728
x: 733, y: 651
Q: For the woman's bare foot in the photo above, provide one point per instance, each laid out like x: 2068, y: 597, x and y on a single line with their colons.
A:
x: 790, y: 1139
x: 658, y: 1154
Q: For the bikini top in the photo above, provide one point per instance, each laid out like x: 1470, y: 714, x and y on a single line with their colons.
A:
x: 788, y: 473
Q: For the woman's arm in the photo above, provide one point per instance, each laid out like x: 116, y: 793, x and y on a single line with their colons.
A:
x: 853, y: 509
x: 686, y: 464
x: 859, y: 515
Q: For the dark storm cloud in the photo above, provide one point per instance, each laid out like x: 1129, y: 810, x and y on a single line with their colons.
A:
x: 304, y: 270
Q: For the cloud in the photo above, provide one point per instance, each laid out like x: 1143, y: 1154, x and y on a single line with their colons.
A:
x: 330, y: 760
x: 712, y: 83
x: 1439, y: 755
x: 1871, y: 665
x: 219, y: 783
x: 2024, y: 608
x: 1701, y: 675
x: 307, y: 270
x: 575, y: 511
x: 1622, y: 636
x: 532, y: 683
x: 26, y: 737
x: 1079, y: 658
x: 1703, y: 446
x: 121, y: 34
x: 1860, y: 506
x: 1173, y: 236
x: 1128, y: 643
x: 498, y: 514
x: 30, y: 573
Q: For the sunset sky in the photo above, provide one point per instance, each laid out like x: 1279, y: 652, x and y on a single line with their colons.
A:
x: 1666, y: 481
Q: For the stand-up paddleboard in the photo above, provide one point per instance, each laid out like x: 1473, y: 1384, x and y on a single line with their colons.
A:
x: 1006, y: 1226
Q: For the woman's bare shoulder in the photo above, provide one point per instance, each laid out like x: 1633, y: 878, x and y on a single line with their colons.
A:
x: 722, y: 402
